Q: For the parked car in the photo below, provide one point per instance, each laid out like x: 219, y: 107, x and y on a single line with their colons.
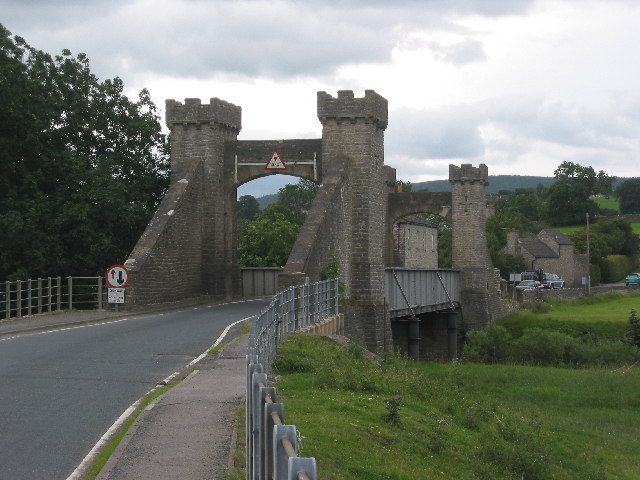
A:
x: 632, y: 279
x: 529, y: 285
x: 551, y: 280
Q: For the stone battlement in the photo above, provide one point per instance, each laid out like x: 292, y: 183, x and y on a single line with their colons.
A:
x: 469, y: 173
x: 192, y: 111
x: 372, y: 107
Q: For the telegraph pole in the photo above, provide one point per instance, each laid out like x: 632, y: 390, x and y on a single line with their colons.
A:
x: 588, y: 260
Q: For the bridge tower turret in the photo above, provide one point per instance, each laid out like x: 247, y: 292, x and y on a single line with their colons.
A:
x: 470, y: 253
x: 353, y: 130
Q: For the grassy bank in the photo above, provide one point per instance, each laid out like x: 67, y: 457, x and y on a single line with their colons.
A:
x: 402, y: 420
x: 603, y: 315
x: 635, y: 226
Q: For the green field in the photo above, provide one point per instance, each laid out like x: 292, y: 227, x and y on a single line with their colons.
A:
x: 609, y: 203
x: 604, y: 315
x: 635, y: 226
x: 463, y: 421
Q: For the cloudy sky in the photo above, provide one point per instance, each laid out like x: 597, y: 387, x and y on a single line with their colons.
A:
x: 520, y: 85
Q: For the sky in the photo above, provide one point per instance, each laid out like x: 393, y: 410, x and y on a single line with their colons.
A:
x: 520, y: 85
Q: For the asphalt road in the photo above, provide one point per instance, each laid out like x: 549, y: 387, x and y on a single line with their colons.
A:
x: 61, y: 390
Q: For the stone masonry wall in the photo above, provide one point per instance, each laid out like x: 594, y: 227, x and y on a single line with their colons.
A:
x: 165, y: 264
x: 480, y: 295
x: 201, y: 132
x: 354, y: 127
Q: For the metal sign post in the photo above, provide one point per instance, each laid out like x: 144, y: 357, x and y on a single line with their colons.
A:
x: 117, y: 278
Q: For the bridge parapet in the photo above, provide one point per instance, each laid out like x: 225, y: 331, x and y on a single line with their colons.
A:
x: 371, y: 107
x: 194, y: 112
x: 425, y: 290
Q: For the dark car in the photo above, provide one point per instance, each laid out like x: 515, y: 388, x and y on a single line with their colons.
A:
x: 529, y: 285
x: 632, y: 279
x: 551, y: 280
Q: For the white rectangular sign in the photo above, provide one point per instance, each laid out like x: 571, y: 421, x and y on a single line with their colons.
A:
x: 115, y: 295
x: 515, y: 277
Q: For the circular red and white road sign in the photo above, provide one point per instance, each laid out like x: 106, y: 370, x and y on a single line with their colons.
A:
x: 117, y: 276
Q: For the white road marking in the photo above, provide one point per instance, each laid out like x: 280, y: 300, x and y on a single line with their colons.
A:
x: 88, y: 460
x: 217, y: 342
x: 79, y: 472
x: 144, y: 315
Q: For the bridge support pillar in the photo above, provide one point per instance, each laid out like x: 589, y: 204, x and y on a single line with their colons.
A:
x: 413, y: 337
x: 452, y: 335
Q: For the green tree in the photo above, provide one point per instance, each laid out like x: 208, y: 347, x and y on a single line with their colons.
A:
x: 247, y: 207
x: 628, y: 194
x: 294, y: 200
x: 567, y: 199
x: 266, y: 241
x: 82, y: 166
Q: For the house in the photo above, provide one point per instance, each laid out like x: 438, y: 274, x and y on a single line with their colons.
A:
x: 416, y: 244
x: 551, y: 251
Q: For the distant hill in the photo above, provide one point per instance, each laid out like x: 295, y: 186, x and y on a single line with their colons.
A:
x: 496, y: 183
x: 267, y: 200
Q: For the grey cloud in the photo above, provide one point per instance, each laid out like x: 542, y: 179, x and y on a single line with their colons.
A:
x: 451, y: 132
x: 459, y: 53
x: 251, y: 38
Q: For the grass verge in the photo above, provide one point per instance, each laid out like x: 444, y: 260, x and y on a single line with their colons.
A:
x: 108, y: 450
x: 399, y: 419
x: 237, y: 470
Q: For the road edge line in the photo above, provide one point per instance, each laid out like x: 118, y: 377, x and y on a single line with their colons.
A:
x: 81, y: 470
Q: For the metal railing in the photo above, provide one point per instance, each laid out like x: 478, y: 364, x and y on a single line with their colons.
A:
x: 44, y: 295
x: 259, y: 281
x: 411, y: 291
x: 272, y: 445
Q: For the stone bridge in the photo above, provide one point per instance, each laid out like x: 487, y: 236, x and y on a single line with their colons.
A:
x: 189, y: 247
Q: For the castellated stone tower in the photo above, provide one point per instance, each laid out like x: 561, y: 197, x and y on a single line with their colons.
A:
x: 353, y: 130
x: 184, y: 251
x: 479, y: 295
x: 198, y: 134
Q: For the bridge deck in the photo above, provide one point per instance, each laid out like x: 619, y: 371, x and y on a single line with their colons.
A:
x: 425, y: 290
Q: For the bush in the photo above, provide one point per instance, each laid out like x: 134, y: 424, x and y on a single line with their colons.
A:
x: 490, y: 345
x: 536, y: 307
x: 616, y: 267
x: 547, y: 347
x: 633, y: 332
x: 596, y: 274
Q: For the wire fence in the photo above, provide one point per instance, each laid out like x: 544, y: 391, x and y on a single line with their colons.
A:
x: 271, y: 445
x: 45, y: 295
x: 289, y: 311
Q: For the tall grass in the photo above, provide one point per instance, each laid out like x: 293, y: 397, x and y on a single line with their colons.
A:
x: 463, y: 421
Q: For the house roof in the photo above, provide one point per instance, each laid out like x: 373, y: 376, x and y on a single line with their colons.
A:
x: 537, y: 248
x: 560, y: 237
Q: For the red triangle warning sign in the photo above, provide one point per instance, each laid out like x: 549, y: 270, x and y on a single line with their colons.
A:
x: 275, y: 162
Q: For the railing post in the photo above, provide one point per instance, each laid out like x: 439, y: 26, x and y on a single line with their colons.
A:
x: 59, y: 293
x: 252, y: 368
x: 99, y: 293
x: 280, y: 457
x: 278, y: 409
x: 264, y: 432
x: 257, y: 378
x: 7, y: 289
x: 18, y: 298
x: 70, y: 291
x: 49, y: 292
x: 29, y: 301
x: 302, y: 464
x: 39, y: 295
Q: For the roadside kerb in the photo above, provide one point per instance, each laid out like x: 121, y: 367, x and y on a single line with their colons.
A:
x: 174, y: 379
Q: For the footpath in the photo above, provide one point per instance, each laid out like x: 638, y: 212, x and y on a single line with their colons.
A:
x: 187, y: 432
